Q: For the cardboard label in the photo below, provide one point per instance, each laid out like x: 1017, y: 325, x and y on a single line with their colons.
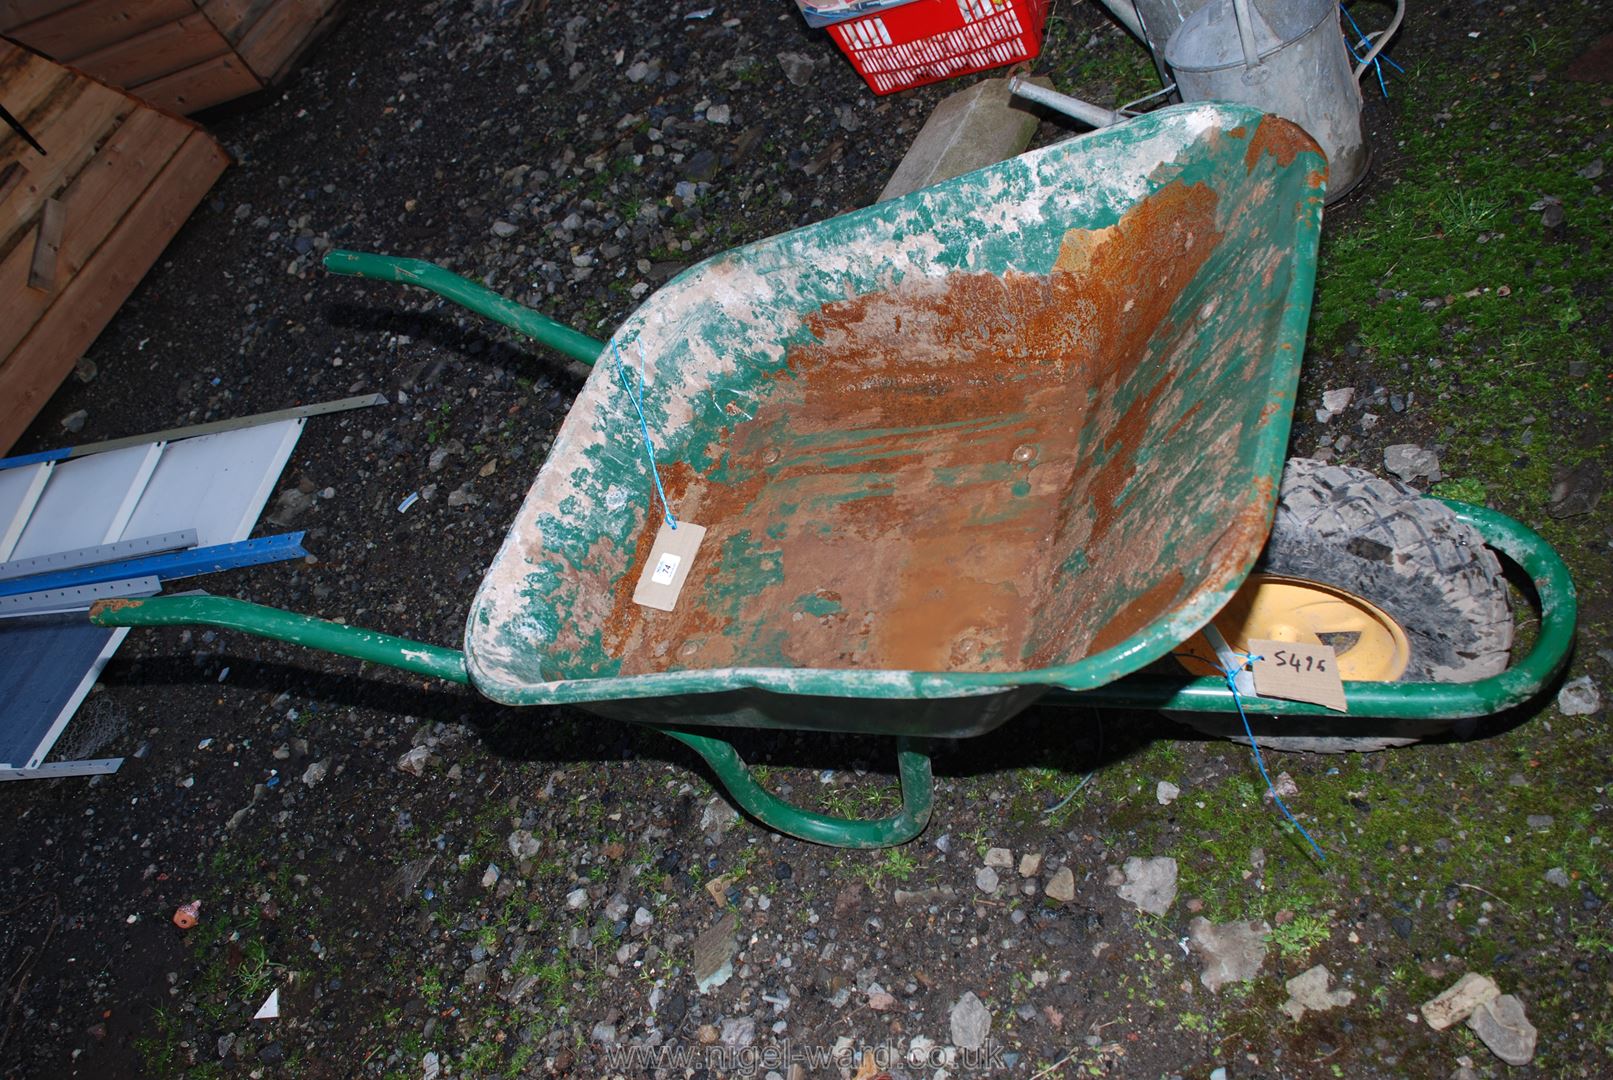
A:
x: 667, y: 569
x: 1298, y: 672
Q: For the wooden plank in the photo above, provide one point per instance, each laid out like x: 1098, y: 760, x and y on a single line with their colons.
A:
x: 17, y: 12
x: 169, y: 48
x: 26, y: 80
x: 336, y: 10
x: 282, y: 33
x: 234, y: 17
x: 72, y: 126
x: 32, y: 372
x: 95, y: 24
x: 212, y: 82
x: 40, y: 98
x: 11, y: 174
x: 96, y: 201
x: 47, y: 244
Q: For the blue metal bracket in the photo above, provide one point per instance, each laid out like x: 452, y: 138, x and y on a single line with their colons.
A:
x: 178, y: 564
x: 34, y: 459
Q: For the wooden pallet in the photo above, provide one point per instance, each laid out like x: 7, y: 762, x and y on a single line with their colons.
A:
x: 80, y: 225
x: 182, y: 55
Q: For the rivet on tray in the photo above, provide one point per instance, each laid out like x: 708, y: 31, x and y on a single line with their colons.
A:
x: 1024, y: 453
x: 769, y: 456
x: 689, y: 649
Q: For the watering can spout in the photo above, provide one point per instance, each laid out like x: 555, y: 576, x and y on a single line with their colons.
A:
x: 469, y: 295
x: 1125, y: 12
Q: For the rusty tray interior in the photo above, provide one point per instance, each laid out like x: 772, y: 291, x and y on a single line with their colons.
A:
x: 1025, y: 426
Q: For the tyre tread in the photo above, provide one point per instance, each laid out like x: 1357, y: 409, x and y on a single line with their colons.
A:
x: 1438, y: 581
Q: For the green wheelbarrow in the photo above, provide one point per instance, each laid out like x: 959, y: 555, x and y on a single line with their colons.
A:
x: 1014, y: 438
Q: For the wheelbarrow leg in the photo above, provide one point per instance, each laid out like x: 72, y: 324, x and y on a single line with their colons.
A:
x: 913, y: 767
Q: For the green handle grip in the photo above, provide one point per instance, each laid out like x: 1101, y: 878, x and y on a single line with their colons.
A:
x: 467, y: 294
x: 414, y: 656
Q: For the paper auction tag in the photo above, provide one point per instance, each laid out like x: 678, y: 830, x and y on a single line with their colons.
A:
x: 668, y: 566
x: 1298, y: 672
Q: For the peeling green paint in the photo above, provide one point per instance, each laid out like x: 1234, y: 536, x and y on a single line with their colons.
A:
x: 817, y: 605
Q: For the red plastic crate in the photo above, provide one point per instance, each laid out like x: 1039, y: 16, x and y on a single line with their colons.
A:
x: 929, y: 40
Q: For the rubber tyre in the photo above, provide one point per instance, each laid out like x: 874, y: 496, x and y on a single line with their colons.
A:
x: 1411, y: 556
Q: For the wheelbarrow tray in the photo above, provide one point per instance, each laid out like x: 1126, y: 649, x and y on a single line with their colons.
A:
x: 1018, y: 431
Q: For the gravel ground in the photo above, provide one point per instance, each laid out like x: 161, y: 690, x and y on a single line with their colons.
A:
x: 437, y: 887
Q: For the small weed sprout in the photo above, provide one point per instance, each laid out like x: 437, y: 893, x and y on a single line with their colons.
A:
x: 256, y: 975
x: 1297, y: 938
x: 1191, y: 1021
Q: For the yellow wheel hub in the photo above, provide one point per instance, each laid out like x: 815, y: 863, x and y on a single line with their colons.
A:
x: 1370, y: 644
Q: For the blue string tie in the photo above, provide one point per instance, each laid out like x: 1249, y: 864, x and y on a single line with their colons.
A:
x: 635, y: 393
x: 1364, y: 43
x: 1231, y: 675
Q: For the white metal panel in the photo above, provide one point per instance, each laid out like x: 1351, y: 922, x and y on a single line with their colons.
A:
x: 20, y: 489
x: 131, y: 498
x: 83, y: 502
x: 215, y: 484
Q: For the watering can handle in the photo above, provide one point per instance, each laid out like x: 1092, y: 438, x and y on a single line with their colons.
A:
x: 1382, y: 37
x: 1246, y: 32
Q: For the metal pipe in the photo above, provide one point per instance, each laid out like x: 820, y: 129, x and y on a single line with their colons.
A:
x: 913, y: 769
x: 322, y: 634
x: 469, y: 295
x: 1084, y: 111
x: 1422, y: 701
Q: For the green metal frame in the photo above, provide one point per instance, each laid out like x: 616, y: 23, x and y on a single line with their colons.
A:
x: 1097, y: 680
x: 322, y: 634
x: 1515, y: 686
x: 913, y: 769
x: 1400, y: 700
x: 469, y: 295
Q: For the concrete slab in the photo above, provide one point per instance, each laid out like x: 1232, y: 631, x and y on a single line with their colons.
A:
x: 979, y: 125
